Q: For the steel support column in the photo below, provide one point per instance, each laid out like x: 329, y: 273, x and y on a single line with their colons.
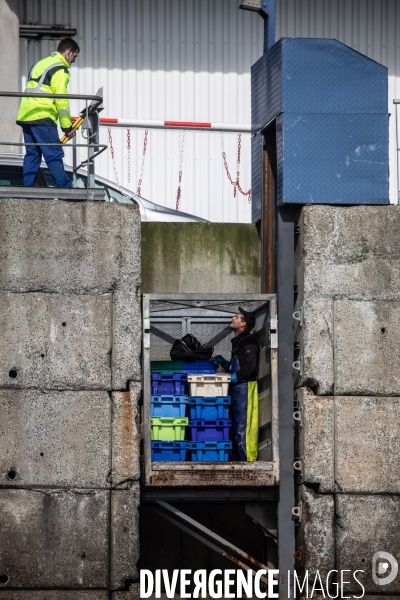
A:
x: 285, y: 295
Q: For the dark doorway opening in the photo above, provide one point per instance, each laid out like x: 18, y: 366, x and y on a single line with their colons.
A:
x: 165, y: 546
x: 268, y: 211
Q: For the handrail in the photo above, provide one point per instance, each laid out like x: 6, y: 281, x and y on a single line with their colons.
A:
x: 396, y: 103
x: 93, y: 149
x: 46, y: 95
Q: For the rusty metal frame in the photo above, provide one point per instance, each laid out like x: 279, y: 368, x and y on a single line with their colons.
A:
x: 191, y: 474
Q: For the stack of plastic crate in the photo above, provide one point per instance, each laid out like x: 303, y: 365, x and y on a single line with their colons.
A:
x: 168, y: 407
x: 208, y: 417
x: 168, y: 416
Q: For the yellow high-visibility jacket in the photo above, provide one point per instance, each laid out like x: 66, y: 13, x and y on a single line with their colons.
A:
x: 49, y: 75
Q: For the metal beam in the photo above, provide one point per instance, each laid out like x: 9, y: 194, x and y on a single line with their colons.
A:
x: 231, y: 547
x: 209, y: 544
x: 285, y: 279
x: 200, y: 496
x: 27, y: 30
x: 51, y: 193
x: 206, y: 298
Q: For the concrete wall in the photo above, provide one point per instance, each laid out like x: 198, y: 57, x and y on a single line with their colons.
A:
x: 200, y: 257
x: 69, y: 394
x: 348, y: 427
x: 9, y: 72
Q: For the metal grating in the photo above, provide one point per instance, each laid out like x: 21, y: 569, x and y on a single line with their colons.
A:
x: 209, y: 324
x: 160, y: 348
x: 204, y: 332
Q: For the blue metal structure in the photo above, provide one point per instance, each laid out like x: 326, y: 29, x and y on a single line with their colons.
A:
x: 329, y: 104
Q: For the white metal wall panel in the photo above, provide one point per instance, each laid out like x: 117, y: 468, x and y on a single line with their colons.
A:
x: 182, y: 60
x: 369, y: 26
x: 190, y: 60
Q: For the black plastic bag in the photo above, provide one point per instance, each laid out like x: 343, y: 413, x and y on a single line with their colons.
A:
x: 190, y: 349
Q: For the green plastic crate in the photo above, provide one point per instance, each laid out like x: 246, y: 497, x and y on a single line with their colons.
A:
x: 166, y: 366
x: 168, y: 429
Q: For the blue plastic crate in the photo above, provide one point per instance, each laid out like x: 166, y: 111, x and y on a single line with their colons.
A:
x: 199, y: 366
x: 166, y: 366
x: 209, y: 407
x: 168, y: 383
x: 210, y: 451
x: 168, y: 406
x: 210, y: 430
x: 168, y: 451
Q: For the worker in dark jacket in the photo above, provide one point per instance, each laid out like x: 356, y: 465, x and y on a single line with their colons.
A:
x: 243, y: 368
x: 38, y: 116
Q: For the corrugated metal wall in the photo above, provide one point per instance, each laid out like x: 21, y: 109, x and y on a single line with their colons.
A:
x: 190, y: 60
x: 369, y: 26
x: 171, y: 60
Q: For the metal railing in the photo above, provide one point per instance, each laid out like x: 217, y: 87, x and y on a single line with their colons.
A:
x: 91, y: 125
x: 396, y: 103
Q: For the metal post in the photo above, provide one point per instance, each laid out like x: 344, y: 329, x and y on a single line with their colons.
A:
x: 397, y: 153
x: 90, y: 179
x: 93, y: 132
x: 285, y: 278
x: 74, y: 163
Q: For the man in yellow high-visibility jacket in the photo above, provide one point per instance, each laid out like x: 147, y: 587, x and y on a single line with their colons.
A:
x: 38, y: 117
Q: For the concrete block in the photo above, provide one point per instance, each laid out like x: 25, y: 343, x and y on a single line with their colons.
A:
x: 316, y: 346
x: 368, y: 444
x: 200, y: 258
x: 350, y: 252
x: 127, y: 339
x: 367, y: 339
x: 55, y: 438
x: 366, y: 525
x: 132, y: 594
x: 54, y: 539
x: 52, y: 341
x: 126, y: 436
x: 53, y: 595
x: 9, y: 46
x: 316, y: 532
x: 315, y: 434
x: 124, y: 536
x: 82, y: 248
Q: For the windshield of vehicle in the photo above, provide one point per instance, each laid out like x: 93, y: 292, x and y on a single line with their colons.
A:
x: 110, y: 194
x: 11, y: 175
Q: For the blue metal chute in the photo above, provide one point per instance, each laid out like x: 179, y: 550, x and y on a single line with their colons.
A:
x: 329, y: 105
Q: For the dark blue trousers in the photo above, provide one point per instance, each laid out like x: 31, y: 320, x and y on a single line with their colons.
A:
x: 53, y: 155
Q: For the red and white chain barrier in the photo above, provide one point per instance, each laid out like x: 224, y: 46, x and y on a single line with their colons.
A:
x: 182, y: 125
x: 142, y: 124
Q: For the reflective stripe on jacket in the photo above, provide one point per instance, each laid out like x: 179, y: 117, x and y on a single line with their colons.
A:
x: 51, y: 76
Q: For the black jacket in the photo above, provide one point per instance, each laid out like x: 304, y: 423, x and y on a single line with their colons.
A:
x: 246, y: 349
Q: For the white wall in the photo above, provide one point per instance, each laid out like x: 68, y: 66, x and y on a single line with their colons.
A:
x: 178, y: 60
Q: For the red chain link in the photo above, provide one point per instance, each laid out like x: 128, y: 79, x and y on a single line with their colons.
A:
x: 178, y: 192
x: 128, y: 143
x: 111, y: 142
x: 112, y: 155
x: 236, y: 183
x: 139, y: 185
